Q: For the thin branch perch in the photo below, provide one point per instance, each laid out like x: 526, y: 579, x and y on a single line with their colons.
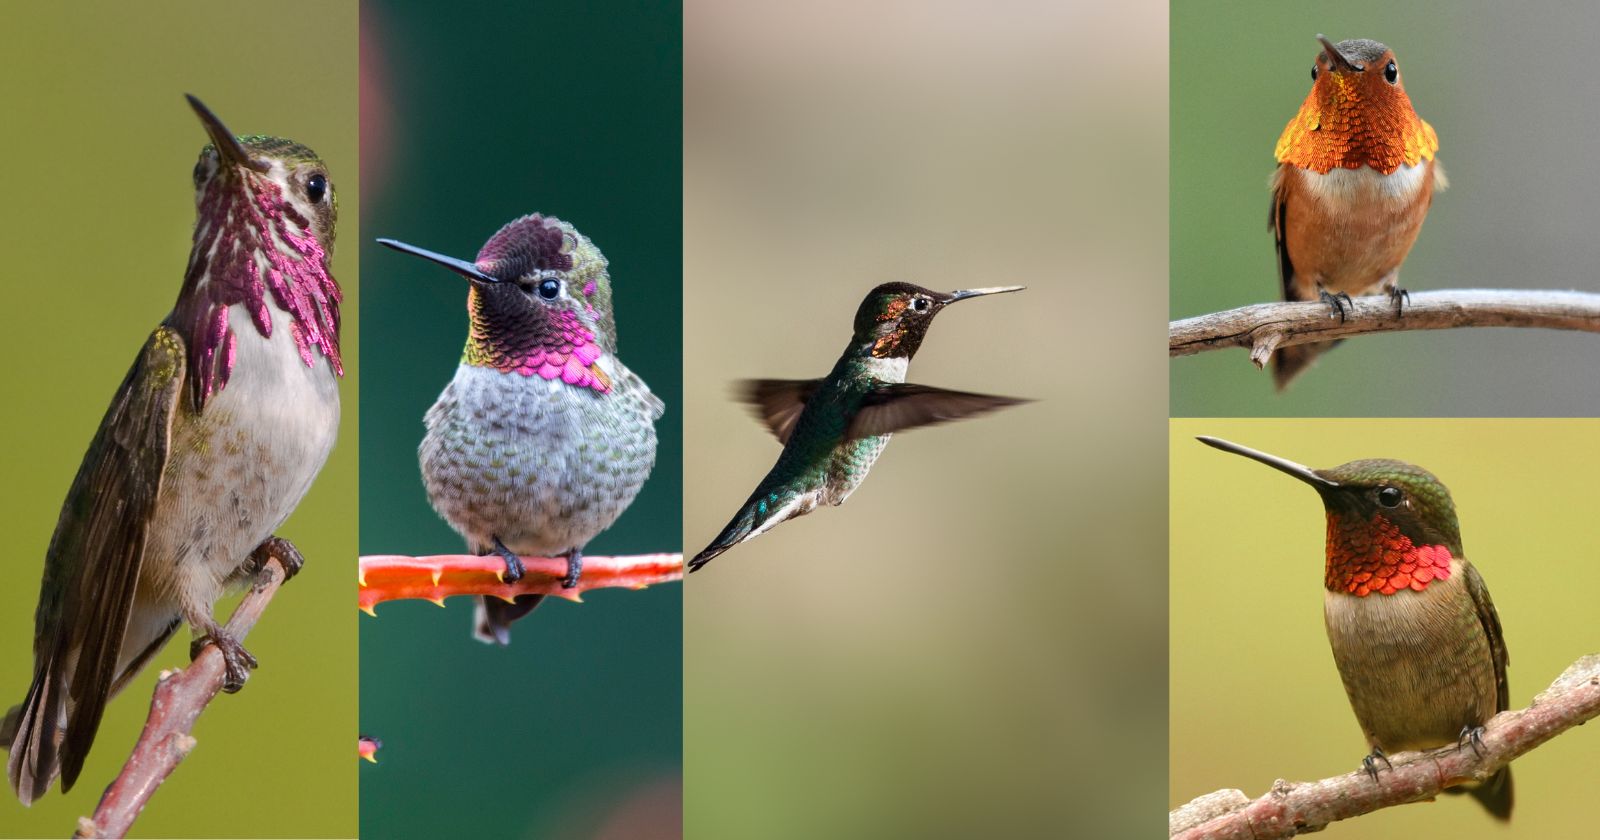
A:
x: 389, y: 577
x: 1265, y: 327
x: 1292, y: 808
x: 180, y: 697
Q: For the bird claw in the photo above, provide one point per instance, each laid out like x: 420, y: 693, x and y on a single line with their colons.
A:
x: 1340, y: 302
x: 1471, y: 735
x: 1401, y: 299
x: 574, y: 569
x: 237, y: 662
x: 1370, y: 763
x: 514, y: 568
x: 288, y: 556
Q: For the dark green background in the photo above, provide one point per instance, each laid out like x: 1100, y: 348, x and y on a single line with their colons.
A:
x: 1508, y: 92
x: 473, y: 117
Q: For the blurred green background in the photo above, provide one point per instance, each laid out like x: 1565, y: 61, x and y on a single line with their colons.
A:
x: 1507, y: 90
x: 472, y: 117
x: 973, y: 646
x: 1255, y: 695
x: 99, y: 147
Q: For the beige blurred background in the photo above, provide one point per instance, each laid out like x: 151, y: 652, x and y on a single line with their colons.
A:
x: 1255, y: 695
x: 973, y: 645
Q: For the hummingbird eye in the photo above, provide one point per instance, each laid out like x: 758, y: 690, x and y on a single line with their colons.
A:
x: 316, y: 187
x: 1389, y: 496
x: 1313, y: 72
x: 549, y: 288
x: 1391, y: 73
x: 920, y: 304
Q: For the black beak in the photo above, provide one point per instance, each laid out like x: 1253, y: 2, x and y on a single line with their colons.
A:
x: 461, y: 267
x: 228, y: 146
x: 1300, y: 471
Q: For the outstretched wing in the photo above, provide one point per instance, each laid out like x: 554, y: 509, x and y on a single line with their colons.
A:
x: 778, y: 402
x: 892, y: 408
x: 92, y: 571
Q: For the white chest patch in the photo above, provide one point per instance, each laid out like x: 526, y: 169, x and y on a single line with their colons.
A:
x: 888, y: 370
x: 1362, y: 187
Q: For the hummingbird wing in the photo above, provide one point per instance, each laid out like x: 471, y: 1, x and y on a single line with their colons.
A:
x: 778, y: 402
x: 1495, y: 794
x: 894, y: 407
x: 92, y: 571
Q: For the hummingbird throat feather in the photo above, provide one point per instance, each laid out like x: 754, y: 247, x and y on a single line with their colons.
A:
x: 1368, y: 556
x: 250, y: 241
x: 556, y: 346
x: 1350, y: 129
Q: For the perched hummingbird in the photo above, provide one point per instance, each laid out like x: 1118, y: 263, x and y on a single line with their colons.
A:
x: 215, y: 435
x: 1356, y: 175
x: 1414, y: 634
x: 543, y: 437
x: 833, y: 429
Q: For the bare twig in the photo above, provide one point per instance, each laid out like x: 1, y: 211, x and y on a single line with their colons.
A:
x: 388, y: 577
x: 1265, y: 327
x: 1292, y: 808
x: 180, y: 697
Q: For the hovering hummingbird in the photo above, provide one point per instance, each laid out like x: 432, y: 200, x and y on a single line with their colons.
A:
x: 212, y: 439
x: 833, y: 429
x: 1356, y: 176
x: 1414, y: 633
x: 544, y: 437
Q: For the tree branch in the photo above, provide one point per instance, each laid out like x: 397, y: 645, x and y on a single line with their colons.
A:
x: 1265, y: 327
x: 1292, y: 808
x: 389, y: 577
x: 180, y: 697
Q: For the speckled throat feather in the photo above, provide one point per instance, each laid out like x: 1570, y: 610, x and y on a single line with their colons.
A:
x: 1339, y: 127
x: 1371, y: 555
x: 245, y: 220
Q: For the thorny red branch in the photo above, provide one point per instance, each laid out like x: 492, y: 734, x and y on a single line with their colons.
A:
x: 390, y: 577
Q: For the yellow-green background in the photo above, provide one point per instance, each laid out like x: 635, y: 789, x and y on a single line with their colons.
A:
x: 1254, y: 694
x: 972, y: 646
x: 1507, y: 87
x: 95, y: 227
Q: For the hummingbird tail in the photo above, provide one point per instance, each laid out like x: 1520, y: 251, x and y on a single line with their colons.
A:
x: 1495, y: 795
x: 491, y: 621
x: 35, y: 759
x: 734, y: 533
x: 1288, y: 362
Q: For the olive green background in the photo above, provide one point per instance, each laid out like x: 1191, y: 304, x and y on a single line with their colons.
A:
x: 471, y: 118
x: 973, y: 645
x: 1508, y: 92
x: 1255, y: 695
x: 98, y: 150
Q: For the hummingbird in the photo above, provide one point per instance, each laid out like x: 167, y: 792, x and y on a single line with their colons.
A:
x: 1414, y: 634
x: 833, y: 429
x: 543, y: 437
x: 216, y: 433
x: 1356, y: 176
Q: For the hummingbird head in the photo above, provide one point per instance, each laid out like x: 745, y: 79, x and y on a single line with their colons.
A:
x: 1357, y: 114
x: 263, y: 237
x: 894, y: 317
x: 1391, y: 525
x: 539, y: 302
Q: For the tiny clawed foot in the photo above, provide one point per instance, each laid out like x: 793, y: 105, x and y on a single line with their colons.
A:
x: 237, y: 661
x: 574, y: 569
x: 1340, y: 302
x: 1402, y: 299
x: 1370, y: 763
x: 514, y: 569
x: 291, y: 558
x: 1471, y: 735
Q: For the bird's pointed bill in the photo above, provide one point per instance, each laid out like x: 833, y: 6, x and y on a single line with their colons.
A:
x: 1300, y: 471
x: 1337, y: 59
x: 963, y: 294
x: 228, y: 146
x: 461, y: 267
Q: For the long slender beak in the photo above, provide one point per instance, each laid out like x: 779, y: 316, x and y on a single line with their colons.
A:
x: 1300, y: 471
x: 1337, y: 58
x: 461, y: 267
x: 228, y: 146
x: 963, y: 294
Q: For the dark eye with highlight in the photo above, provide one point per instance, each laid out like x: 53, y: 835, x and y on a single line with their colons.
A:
x: 1391, y: 73
x: 1390, y: 496
x: 316, y: 188
x: 1313, y: 72
x: 920, y: 304
x: 549, y: 288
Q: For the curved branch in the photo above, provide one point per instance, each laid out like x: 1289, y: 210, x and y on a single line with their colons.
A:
x: 1292, y: 808
x: 180, y: 697
x: 1265, y: 327
x: 389, y: 577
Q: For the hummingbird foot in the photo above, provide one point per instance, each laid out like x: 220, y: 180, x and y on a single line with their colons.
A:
x: 237, y: 661
x: 291, y: 558
x: 514, y: 570
x: 1340, y: 302
x: 1471, y: 735
x: 1370, y: 763
x: 574, y: 568
x: 1400, y: 297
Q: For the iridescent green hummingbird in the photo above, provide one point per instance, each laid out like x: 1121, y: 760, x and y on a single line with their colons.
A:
x: 543, y: 437
x: 214, y: 436
x: 833, y: 429
x: 1414, y: 634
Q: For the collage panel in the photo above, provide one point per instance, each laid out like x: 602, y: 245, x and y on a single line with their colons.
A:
x: 1473, y: 135
x: 972, y: 644
x: 1410, y: 524
x: 535, y: 152
x: 116, y: 249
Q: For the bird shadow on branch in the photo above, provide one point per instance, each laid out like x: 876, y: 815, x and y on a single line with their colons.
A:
x: 1292, y: 808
